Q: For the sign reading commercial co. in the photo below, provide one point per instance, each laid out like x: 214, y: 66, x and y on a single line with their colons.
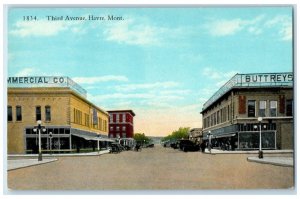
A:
x: 267, y: 78
x: 45, y: 81
x: 37, y: 80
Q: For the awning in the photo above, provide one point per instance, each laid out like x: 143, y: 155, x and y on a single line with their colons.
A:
x: 227, y: 135
x: 89, y: 135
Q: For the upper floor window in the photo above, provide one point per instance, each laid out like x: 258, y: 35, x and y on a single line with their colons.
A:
x: 9, y: 113
x: 111, y: 116
x: 118, y: 128
x: 19, y: 113
x: 111, y: 128
x: 124, y: 118
x: 289, y: 107
x: 118, y: 118
x: 48, y: 113
x: 262, y: 108
x: 124, y: 128
x: 273, y: 108
x: 251, y: 108
x: 38, y: 114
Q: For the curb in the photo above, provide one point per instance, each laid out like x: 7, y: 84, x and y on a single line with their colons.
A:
x: 35, y: 164
x: 272, y: 162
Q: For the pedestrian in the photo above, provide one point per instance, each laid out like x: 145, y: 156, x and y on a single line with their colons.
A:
x: 203, y: 146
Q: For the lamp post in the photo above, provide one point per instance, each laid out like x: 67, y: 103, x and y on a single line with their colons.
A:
x: 50, y: 137
x: 38, y: 128
x: 260, y: 152
x: 98, y: 144
x: 209, y: 141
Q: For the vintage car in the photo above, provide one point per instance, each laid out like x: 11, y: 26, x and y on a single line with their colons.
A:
x: 187, y: 145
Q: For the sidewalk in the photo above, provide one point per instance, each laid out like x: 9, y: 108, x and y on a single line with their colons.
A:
x: 278, y: 161
x: 22, y: 163
x: 58, y: 154
x: 17, y: 161
x: 217, y: 151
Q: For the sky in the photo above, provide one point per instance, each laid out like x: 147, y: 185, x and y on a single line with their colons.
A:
x: 162, y: 63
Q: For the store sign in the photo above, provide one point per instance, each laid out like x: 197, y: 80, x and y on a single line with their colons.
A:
x: 95, y: 117
x: 267, y: 78
x: 44, y: 81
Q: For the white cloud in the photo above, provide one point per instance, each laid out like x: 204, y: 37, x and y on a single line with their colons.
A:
x: 284, y: 25
x: 44, y: 28
x: 26, y: 72
x: 93, y: 80
x: 160, y: 85
x: 225, y: 27
x: 216, y: 74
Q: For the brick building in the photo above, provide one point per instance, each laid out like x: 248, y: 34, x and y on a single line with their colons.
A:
x: 121, y: 124
x: 72, y: 122
x: 230, y: 116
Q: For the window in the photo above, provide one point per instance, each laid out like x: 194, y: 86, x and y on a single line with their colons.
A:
x: 251, y: 108
x: 111, y: 128
x: 124, y: 118
x: 118, y: 128
x: 262, y: 108
x: 18, y: 113
x: 38, y: 114
x: 273, y: 108
x: 48, y: 113
x: 118, y: 118
x: 289, y: 107
x: 111, y: 116
x: 124, y: 128
x: 9, y: 113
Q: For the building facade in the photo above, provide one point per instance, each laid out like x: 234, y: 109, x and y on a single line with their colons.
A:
x: 231, y: 115
x: 71, y: 122
x: 121, y: 124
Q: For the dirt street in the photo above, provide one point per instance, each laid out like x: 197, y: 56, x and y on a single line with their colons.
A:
x: 152, y: 169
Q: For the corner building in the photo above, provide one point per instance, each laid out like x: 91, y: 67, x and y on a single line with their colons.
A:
x: 72, y: 123
x: 121, y: 123
x: 230, y: 116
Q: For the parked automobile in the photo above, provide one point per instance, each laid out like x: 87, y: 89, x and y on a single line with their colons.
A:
x: 175, y: 145
x: 188, y: 145
x: 116, y: 148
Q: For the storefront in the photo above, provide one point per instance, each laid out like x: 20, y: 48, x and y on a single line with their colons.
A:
x: 70, y: 122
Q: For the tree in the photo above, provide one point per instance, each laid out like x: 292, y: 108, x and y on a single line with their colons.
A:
x: 141, y: 138
x: 181, y: 133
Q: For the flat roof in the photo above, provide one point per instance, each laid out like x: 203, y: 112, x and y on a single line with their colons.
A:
x: 254, y: 80
x: 45, y: 81
x: 118, y: 111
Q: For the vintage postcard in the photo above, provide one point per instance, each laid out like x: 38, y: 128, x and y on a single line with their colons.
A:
x: 160, y: 98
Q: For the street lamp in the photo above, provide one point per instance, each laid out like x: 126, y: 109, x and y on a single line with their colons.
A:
x: 39, y: 128
x: 209, y: 141
x: 98, y: 145
x: 50, y: 137
x: 260, y: 152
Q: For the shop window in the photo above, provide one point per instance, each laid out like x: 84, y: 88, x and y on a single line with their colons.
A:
x: 9, y: 114
x: 273, y: 108
x: 38, y: 114
x: 289, y: 107
x: 262, y: 108
x: 47, y: 113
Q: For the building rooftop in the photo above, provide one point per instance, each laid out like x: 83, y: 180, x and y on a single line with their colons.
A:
x: 45, y: 81
x: 118, y: 111
x: 252, y: 80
